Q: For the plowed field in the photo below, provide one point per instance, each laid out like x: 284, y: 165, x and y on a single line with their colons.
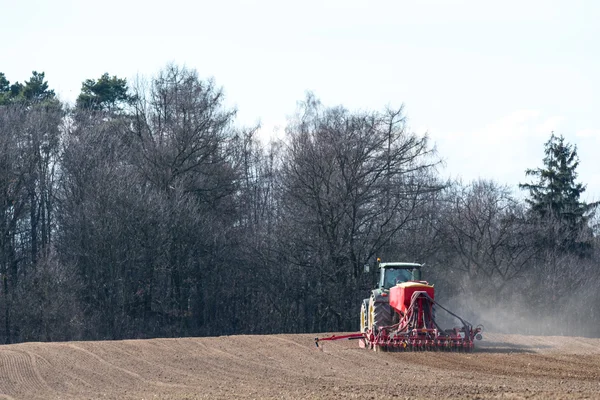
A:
x: 290, y: 367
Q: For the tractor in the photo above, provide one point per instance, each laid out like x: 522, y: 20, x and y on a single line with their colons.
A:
x: 400, y: 315
x: 376, y: 311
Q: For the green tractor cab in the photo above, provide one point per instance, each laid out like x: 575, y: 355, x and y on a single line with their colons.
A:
x: 392, y: 273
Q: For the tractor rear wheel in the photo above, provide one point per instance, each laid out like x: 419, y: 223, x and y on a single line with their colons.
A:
x: 380, y: 315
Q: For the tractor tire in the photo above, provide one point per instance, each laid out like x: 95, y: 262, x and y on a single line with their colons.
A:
x: 380, y: 315
x: 364, y: 317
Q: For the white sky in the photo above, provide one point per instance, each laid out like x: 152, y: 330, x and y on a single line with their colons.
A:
x: 487, y: 80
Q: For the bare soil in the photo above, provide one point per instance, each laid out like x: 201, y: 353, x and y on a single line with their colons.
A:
x: 291, y: 367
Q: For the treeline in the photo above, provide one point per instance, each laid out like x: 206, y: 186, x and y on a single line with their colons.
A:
x: 146, y: 211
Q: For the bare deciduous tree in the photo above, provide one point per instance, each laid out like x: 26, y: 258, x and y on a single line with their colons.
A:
x: 490, y: 243
x: 351, y: 181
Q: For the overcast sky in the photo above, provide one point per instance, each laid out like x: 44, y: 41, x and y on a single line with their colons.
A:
x: 488, y: 81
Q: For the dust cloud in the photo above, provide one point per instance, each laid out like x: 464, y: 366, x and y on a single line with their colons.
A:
x: 516, y: 315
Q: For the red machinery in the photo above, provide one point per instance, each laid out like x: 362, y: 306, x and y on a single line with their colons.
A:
x: 414, y: 327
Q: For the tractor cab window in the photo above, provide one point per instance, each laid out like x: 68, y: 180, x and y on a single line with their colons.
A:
x: 395, y: 276
x: 416, y: 273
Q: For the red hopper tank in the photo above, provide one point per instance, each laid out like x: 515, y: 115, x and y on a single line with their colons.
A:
x: 401, y: 294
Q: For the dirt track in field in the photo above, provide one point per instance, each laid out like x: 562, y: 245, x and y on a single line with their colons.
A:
x: 290, y: 367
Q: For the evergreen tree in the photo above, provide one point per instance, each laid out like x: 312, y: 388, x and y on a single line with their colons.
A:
x: 106, y: 93
x: 555, y: 197
x: 36, y: 88
x: 4, y: 89
x: 8, y: 92
x: 4, y: 83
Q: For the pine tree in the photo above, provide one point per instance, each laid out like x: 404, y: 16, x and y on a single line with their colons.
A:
x: 555, y: 197
x: 36, y: 88
x: 4, y: 89
x: 107, y: 93
x: 34, y: 91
